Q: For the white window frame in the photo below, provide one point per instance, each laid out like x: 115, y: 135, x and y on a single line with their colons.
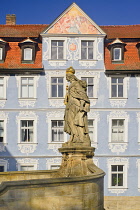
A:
x: 64, y: 39
x: 50, y: 132
x: 138, y: 120
x: 125, y: 81
x: 118, y: 161
x: 124, y: 131
x: 4, y: 163
x: 31, y: 54
x: 94, y: 140
x: 27, y: 162
x: 34, y: 87
x: 94, y: 48
x: 4, y: 87
x: 138, y: 166
x: 57, y: 87
x: 120, y: 57
x: 4, y: 118
x: 27, y: 117
x: 53, y: 162
x: 1, y: 53
x: 93, y: 87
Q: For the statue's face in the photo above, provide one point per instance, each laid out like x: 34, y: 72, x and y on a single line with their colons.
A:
x: 68, y: 77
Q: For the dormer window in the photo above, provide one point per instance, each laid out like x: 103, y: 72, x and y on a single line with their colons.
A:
x: 28, y: 49
x: 2, y: 50
x: 117, y: 51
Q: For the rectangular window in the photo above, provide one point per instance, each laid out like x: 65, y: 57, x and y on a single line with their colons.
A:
x: 90, y: 85
x: 28, y: 54
x: 27, y: 168
x: 86, y: 50
x: 57, y: 127
x: 27, y: 87
x: 57, y: 50
x: 1, y: 87
x: 117, y: 87
x: 117, y: 175
x: 117, y: 54
x: 27, y: 130
x: 1, y: 52
x: 1, y: 131
x: 91, y: 130
x: 117, y: 130
x: 57, y: 87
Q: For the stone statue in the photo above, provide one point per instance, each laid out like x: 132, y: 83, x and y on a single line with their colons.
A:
x: 77, y: 106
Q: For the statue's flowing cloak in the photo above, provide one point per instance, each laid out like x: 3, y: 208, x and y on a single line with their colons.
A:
x: 75, y: 116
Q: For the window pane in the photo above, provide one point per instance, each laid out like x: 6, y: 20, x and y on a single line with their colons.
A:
x: 120, y: 90
x: 90, y: 53
x: 83, y: 54
x: 31, y: 92
x: 114, y: 180
x: 60, y: 135
x: 60, y: 43
x: 1, y: 49
x: 24, y: 81
x: 114, y: 91
x: 120, y: 179
x: 30, y: 138
x: 90, y: 91
x: 54, y: 135
x: 54, y: 43
x: 90, y: 44
x: 90, y: 123
x: 114, y: 167
x: 30, y: 80
x: 117, y: 54
x: 27, y: 54
x: 24, y: 92
x: 54, y: 91
x: 54, y: 123
x: 120, y: 80
x: 120, y: 167
x: 54, y: 53
x: 114, y: 80
x: 83, y: 43
x: 60, y: 80
x: 90, y: 80
x: 60, y: 90
x: 54, y: 80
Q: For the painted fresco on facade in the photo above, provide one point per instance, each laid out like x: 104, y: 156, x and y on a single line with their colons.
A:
x: 73, y: 22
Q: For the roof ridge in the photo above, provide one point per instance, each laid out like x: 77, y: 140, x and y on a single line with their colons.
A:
x: 118, y: 25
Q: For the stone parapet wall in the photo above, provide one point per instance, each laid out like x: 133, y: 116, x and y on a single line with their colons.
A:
x: 122, y: 202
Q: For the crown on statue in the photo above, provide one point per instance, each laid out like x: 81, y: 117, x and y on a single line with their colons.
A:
x: 70, y: 70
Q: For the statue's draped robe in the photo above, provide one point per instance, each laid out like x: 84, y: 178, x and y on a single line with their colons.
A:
x: 76, y: 110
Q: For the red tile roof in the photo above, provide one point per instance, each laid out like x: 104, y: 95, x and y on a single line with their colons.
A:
x: 122, y: 31
x: 21, y: 30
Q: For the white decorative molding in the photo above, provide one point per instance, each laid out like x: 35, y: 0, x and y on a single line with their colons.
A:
x: 138, y: 166
x: 57, y: 63
x: 54, y: 147
x: 54, y: 115
x: 118, y: 102
x: 94, y: 115
x: 87, y: 64
x: 52, y: 161
x: 118, y: 147
x: 27, y: 103
x: 25, y: 115
x: 118, y: 160
x: 45, y: 45
x: 73, y: 49
x: 5, y: 118
x: 99, y: 55
x: 2, y: 103
x: 56, y: 103
x: 27, y: 161
x: 117, y: 191
x: 117, y: 115
x: 27, y: 148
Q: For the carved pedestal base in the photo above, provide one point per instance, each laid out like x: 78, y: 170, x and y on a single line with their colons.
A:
x: 78, y: 161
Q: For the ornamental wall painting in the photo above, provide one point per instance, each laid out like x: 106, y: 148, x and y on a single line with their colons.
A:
x: 73, y: 22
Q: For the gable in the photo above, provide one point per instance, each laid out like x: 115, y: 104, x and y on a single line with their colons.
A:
x: 74, y: 21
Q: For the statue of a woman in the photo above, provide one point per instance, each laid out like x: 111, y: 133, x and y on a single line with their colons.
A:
x: 77, y: 106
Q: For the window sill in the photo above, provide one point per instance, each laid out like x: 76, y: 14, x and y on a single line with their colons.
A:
x: 57, y: 60
x: 118, y: 98
x: 22, y: 99
x: 56, y: 98
x: 27, y: 62
x: 117, y: 61
x: 87, y: 60
x: 117, y: 190
x: 118, y: 147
